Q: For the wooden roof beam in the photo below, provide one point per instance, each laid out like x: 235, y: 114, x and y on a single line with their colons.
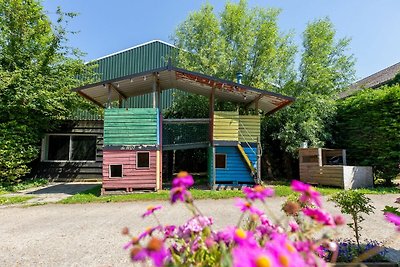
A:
x: 254, y: 101
x: 90, y: 99
x: 117, y: 91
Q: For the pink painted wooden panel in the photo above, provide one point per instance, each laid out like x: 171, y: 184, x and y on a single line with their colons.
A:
x: 133, y: 177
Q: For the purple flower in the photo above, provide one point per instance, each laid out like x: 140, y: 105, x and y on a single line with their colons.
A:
x: 308, y: 193
x: 157, y: 251
x: 319, y: 216
x: 150, y: 210
x: 393, y: 218
x: 195, y: 225
x: 183, y: 179
x: 258, y: 192
x: 247, y: 206
x: 180, y: 193
x: 169, y: 231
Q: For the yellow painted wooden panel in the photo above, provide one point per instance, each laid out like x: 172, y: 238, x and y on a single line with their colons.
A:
x: 249, y: 128
x: 226, y: 126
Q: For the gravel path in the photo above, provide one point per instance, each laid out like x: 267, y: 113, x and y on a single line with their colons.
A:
x: 89, y: 234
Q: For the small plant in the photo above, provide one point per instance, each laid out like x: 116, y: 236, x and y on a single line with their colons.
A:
x: 348, y: 250
x: 355, y: 204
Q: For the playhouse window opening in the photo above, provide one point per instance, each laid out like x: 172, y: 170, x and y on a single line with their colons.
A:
x: 70, y: 148
x: 220, y: 161
x: 143, y: 160
x: 116, y: 171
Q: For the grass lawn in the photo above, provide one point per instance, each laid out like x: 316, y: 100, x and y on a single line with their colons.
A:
x: 93, y: 195
x: 11, y: 188
x: 13, y: 199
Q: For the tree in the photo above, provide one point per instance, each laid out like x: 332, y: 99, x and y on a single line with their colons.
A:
x: 241, y: 39
x: 37, y: 70
x: 248, y: 40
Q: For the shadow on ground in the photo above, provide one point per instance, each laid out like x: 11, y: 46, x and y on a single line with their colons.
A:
x: 69, y: 189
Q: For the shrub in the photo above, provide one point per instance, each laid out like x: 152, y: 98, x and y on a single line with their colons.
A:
x: 368, y: 126
x: 355, y: 204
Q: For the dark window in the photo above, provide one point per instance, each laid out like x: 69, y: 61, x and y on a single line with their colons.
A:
x: 58, y: 148
x: 83, y: 147
x: 116, y: 171
x: 220, y: 161
x: 143, y: 160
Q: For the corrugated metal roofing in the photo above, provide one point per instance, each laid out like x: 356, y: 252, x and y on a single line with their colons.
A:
x: 141, y: 58
x: 136, y: 59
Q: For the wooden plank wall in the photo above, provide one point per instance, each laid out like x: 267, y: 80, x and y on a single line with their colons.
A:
x: 323, y: 175
x: 226, y: 126
x: 134, y: 126
x: 133, y: 178
x: 236, y: 171
x: 249, y: 128
x: 73, y: 171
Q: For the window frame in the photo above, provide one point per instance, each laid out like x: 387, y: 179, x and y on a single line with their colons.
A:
x: 137, y: 160
x: 226, y: 160
x: 45, y: 148
x: 116, y: 177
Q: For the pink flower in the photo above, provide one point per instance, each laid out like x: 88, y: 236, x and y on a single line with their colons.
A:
x: 183, y: 179
x: 308, y: 193
x: 180, y: 193
x: 242, y: 237
x: 148, y: 232
x: 294, y: 227
x: 150, y: 210
x: 247, y: 206
x: 195, y: 225
x: 258, y: 192
x: 393, y: 218
x: 284, y: 251
x: 319, y: 216
x: 339, y: 219
x: 253, y: 257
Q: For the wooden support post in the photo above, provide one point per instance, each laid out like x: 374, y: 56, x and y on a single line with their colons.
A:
x: 344, y: 157
x: 211, y: 154
x: 154, y: 89
x: 160, y: 125
x: 320, y: 157
x: 120, y: 101
x: 109, y: 96
x: 211, y: 115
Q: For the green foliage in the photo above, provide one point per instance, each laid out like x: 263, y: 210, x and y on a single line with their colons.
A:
x: 355, y: 204
x: 14, y: 199
x: 394, y: 210
x: 248, y: 40
x: 368, y: 126
x: 22, y: 185
x: 37, y: 70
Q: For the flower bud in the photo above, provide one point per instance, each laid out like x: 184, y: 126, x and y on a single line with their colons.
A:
x: 339, y: 220
x: 154, y: 244
x: 291, y: 208
x: 125, y: 231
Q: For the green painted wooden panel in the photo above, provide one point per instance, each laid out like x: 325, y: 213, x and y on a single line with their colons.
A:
x: 136, y: 126
x: 226, y: 126
x: 249, y: 128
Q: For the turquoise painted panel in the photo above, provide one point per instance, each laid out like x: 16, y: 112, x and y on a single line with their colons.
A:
x: 136, y: 126
x: 236, y: 170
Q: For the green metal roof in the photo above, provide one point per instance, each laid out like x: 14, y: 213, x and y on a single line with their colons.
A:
x: 137, y: 59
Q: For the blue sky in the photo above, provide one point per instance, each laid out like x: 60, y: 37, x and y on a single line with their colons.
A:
x: 109, y: 26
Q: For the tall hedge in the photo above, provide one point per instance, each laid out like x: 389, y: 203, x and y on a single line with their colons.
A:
x: 368, y: 126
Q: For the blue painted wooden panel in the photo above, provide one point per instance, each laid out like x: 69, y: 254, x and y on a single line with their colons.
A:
x: 236, y: 170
